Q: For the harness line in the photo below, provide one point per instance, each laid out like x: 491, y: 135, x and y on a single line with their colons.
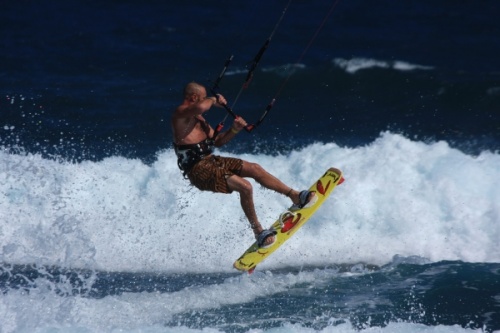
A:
x: 249, y: 128
x: 311, y: 41
x: 248, y: 78
x: 258, y: 56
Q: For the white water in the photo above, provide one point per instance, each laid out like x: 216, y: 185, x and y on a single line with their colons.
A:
x: 356, y: 64
x: 41, y: 310
x: 400, y: 197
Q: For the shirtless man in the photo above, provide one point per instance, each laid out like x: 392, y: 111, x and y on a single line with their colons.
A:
x: 194, y: 141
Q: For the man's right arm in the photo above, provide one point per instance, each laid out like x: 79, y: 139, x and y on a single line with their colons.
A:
x: 196, y: 108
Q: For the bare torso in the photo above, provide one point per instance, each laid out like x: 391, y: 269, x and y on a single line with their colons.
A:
x: 190, y: 129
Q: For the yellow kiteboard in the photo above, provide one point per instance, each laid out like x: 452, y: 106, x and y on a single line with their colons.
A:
x: 289, y: 222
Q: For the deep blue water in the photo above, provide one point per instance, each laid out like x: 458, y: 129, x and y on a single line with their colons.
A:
x: 443, y: 293
x: 82, y: 81
x: 104, y: 80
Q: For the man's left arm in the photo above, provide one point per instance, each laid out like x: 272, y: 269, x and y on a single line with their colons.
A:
x: 223, y: 138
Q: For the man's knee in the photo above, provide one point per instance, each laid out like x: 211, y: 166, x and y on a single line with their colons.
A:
x: 240, y: 185
x: 255, y: 169
x: 246, y: 187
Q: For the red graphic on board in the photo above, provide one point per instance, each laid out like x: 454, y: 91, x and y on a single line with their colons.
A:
x: 290, y: 222
x: 321, y: 189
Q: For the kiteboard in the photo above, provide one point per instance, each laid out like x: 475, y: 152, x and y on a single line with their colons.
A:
x: 290, y: 221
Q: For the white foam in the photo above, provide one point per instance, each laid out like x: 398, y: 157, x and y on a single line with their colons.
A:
x: 356, y: 64
x: 400, y: 197
x: 42, y: 310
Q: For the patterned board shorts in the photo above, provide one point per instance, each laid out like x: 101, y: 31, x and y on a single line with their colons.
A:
x: 211, y: 173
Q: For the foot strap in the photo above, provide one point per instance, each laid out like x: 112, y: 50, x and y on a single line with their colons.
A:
x: 304, y: 201
x: 265, y: 234
x: 285, y: 216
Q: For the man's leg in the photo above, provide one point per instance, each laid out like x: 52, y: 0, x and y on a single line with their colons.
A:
x: 264, y: 178
x: 245, y: 189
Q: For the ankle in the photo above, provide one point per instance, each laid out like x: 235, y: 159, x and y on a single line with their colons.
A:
x: 293, y: 195
x: 256, y: 228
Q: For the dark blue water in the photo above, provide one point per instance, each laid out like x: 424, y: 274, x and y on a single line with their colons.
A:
x: 443, y: 293
x: 81, y: 81
x: 103, y: 76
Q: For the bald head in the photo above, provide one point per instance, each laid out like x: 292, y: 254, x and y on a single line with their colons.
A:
x: 194, y: 88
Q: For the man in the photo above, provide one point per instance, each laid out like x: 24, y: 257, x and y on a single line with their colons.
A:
x: 193, y: 142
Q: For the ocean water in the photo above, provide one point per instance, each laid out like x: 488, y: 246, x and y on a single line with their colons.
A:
x: 99, y: 232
